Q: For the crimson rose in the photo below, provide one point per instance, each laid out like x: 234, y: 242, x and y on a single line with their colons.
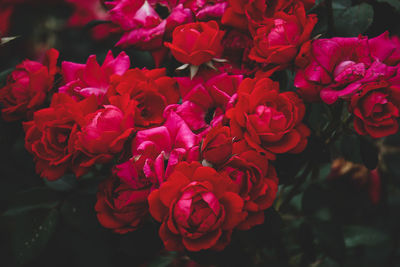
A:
x: 196, y: 43
x: 122, y: 204
x: 27, y: 87
x: 153, y: 91
x: 47, y: 136
x: 278, y: 41
x: 376, y: 109
x: 268, y: 120
x: 198, y: 208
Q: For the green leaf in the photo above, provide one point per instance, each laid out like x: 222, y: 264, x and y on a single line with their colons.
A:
x: 341, y: 4
x: 393, y: 3
x: 330, y: 238
x: 30, y: 232
x: 164, y: 260
x: 35, y: 198
x: 65, y: 183
x: 354, y: 20
x: 3, y: 76
x: 315, y: 203
x: 357, y: 235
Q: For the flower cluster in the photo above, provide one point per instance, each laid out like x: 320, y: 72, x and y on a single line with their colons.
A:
x: 195, y: 154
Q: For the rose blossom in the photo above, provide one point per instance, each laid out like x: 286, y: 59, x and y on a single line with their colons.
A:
x: 338, y: 67
x: 27, y: 87
x: 146, y: 23
x: 217, y: 145
x: 153, y: 91
x: 256, y: 180
x: 376, y: 108
x: 250, y: 171
x: 205, y: 99
x: 205, y: 9
x: 251, y: 14
x: 269, y: 121
x: 278, y: 41
x: 48, y: 135
x: 83, y: 80
x: 196, y: 43
x: 122, y: 204
x: 156, y: 151
x: 103, y: 133
x: 198, y: 208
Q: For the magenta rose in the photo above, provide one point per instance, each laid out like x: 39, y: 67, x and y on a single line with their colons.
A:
x: 338, y: 67
x: 83, y: 80
x: 142, y: 25
x: 205, y: 99
x: 103, y: 133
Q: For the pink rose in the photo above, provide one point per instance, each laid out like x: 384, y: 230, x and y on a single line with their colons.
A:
x: 147, y: 23
x: 83, y: 80
x: 205, y: 99
x: 103, y: 133
x: 338, y: 67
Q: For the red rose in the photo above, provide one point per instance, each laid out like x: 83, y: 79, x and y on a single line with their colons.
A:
x: 279, y: 40
x: 257, y: 183
x: 121, y: 206
x: 217, y: 145
x: 251, y: 14
x: 198, y: 208
x: 27, y: 87
x: 47, y: 136
x: 103, y: 133
x: 376, y: 109
x: 196, y: 43
x: 268, y: 120
x: 153, y: 91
